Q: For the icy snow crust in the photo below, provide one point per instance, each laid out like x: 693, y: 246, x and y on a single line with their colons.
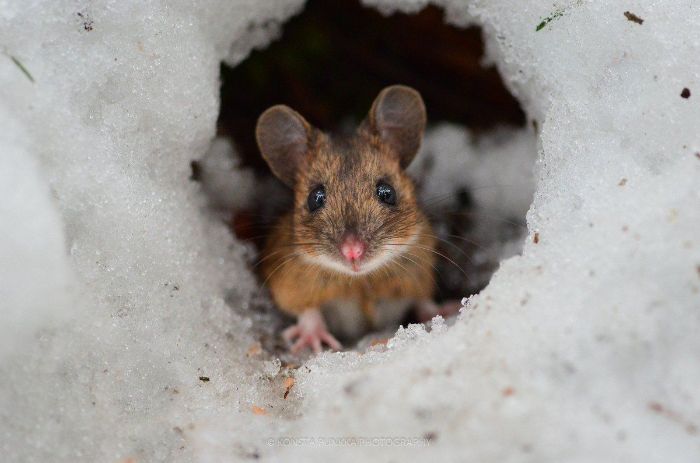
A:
x: 115, y: 275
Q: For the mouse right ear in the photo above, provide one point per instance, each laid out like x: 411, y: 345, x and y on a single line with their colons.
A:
x: 398, y: 117
x: 283, y: 137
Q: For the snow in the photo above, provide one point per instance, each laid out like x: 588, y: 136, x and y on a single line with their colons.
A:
x: 227, y: 185
x: 33, y: 271
x: 99, y: 145
x: 130, y: 320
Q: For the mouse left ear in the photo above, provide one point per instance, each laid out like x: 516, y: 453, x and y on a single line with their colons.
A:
x: 398, y: 117
x: 284, y: 139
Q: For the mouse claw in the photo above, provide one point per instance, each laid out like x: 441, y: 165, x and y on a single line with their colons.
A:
x: 331, y: 341
x: 291, y: 333
x: 310, y: 331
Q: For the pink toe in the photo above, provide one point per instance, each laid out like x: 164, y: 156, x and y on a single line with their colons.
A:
x: 310, y: 331
x: 290, y: 333
x: 297, y: 346
x: 331, y: 341
x: 316, y: 344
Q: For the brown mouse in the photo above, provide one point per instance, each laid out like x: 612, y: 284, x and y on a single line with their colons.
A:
x: 356, y: 231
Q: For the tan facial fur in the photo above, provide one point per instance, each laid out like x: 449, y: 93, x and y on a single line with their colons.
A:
x: 350, y: 171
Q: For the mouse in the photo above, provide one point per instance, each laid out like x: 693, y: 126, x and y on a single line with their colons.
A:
x: 355, y: 233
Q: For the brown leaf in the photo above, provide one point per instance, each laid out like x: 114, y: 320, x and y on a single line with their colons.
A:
x: 254, y: 349
x: 288, y: 385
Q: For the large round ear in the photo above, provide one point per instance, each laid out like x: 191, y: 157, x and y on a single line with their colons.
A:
x: 283, y: 137
x: 398, y: 117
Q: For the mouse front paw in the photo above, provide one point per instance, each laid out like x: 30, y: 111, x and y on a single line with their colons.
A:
x: 310, y: 331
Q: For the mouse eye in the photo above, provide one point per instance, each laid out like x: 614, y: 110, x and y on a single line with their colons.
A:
x: 386, y: 193
x: 317, y: 198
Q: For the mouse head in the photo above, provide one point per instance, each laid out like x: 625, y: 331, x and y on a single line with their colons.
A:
x: 354, y: 206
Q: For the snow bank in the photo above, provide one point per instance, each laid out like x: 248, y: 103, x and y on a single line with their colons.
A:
x: 119, y: 343
x: 110, y: 263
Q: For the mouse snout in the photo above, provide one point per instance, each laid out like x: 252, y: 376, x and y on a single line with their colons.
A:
x: 352, y: 247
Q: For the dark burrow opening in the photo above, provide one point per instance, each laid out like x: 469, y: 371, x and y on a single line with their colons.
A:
x: 329, y: 64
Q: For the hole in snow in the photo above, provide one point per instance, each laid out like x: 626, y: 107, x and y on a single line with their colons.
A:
x: 474, y: 172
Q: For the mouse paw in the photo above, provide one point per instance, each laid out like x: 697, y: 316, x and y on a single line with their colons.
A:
x: 310, y: 331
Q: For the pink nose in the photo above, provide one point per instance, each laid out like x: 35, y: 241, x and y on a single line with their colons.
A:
x: 352, y: 248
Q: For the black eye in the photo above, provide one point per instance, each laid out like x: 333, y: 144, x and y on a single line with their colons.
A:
x: 386, y: 193
x: 317, y: 198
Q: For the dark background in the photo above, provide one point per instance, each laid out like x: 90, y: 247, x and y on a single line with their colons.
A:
x: 335, y: 57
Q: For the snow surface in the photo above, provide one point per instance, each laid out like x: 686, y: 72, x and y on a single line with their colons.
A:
x: 115, y: 276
